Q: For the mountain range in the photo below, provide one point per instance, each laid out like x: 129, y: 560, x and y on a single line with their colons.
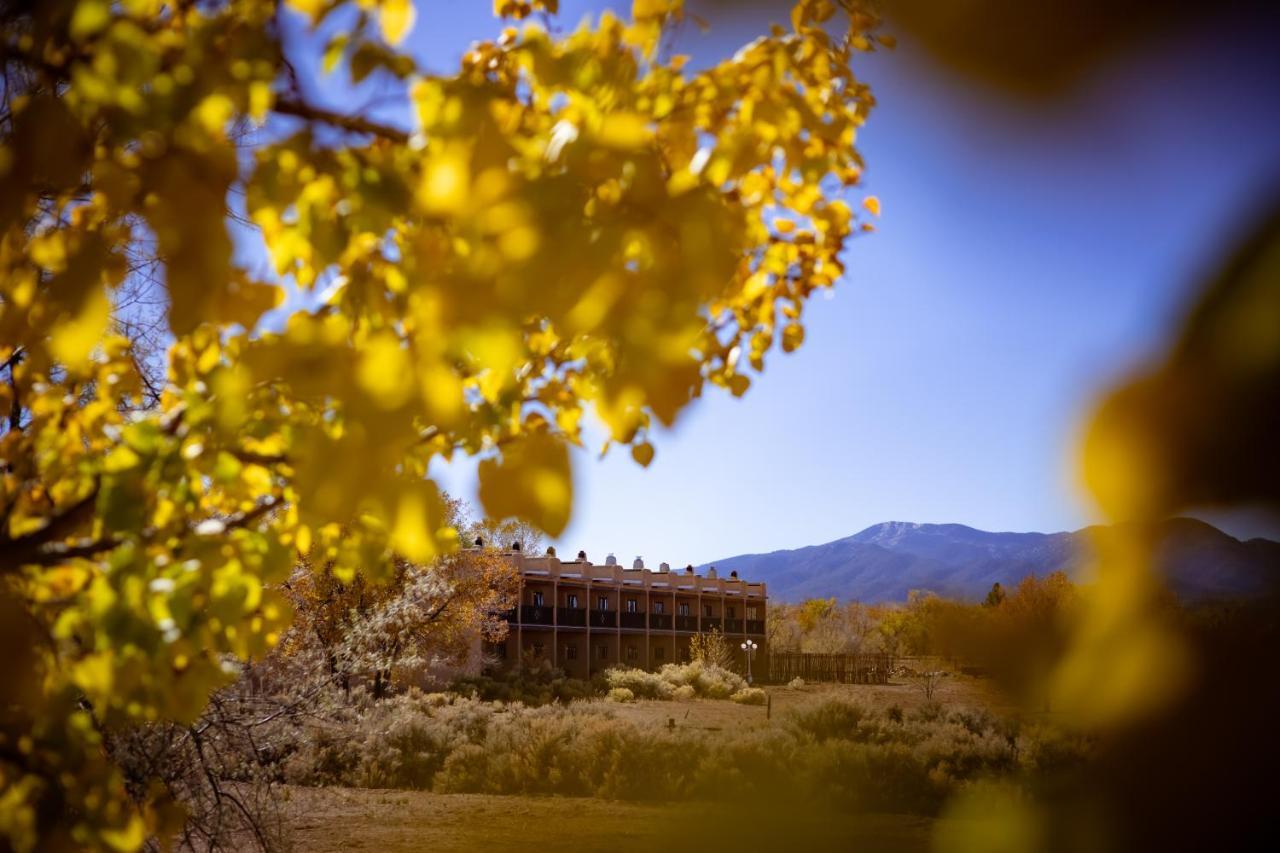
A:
x: 886, y: 561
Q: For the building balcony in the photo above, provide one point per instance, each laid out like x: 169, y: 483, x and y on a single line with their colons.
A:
x: 733, y: 626
x: 632, y: 619
x: 686, y: 623
x: 535, y: 614
x: 660, y: 621
x: 574, y: 617
x: 511, y: 615
x: 604, y: 619
x: 755, y: 626
x: 712, y: 623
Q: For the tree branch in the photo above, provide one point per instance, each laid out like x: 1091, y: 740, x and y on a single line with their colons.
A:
x: 354, y: 124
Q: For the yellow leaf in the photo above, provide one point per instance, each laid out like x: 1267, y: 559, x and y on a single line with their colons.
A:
x: 446, y: 179
x: 73, y: 340
x: 872, y: 204
x: 396, y: 17
x: 642, y: 453
x: 531, y: 481
x: 417, y: 516
x: 385, y: 371
x: 624, y: 131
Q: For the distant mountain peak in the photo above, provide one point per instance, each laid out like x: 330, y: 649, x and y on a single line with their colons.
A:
x: 887, y: 560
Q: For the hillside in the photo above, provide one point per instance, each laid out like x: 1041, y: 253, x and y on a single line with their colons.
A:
x: 886, y: 561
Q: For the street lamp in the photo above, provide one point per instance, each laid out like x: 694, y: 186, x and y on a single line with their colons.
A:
x: 750, y: 648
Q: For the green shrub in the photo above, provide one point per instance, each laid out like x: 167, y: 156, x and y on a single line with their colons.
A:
x: 621, y: 694
x: 750, y: 696
x: 796, y: 683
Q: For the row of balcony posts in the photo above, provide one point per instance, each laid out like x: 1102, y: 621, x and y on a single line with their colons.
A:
x: 578, y: 617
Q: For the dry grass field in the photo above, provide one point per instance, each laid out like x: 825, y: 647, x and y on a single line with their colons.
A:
x: 341, y: 820
x: 391, y: 821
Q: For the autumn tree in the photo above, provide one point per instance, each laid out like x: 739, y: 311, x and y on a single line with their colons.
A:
x: 570, y: 221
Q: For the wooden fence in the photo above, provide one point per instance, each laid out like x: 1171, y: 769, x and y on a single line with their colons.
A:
x: 845, y: 669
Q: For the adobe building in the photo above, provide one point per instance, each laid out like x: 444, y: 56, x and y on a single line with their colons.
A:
x: 586, y: 618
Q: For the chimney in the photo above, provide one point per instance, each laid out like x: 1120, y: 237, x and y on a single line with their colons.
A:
x: 611, y: 560
x: 515, y: 546
x: 711, y: 573
x: 479, y: 542
x: 551, y: 550
x: 688, y: 570
x: 664, y: 567
x: 733, y: 574
x: 582, y: 556
x: 638, y: 564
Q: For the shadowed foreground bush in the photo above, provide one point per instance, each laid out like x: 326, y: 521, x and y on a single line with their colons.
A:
x: 833, y: 752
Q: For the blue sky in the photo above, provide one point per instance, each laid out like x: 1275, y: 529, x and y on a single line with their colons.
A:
x: 1028, y: 255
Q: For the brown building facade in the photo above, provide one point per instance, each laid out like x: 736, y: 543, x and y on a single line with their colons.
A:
x: 586, y: 618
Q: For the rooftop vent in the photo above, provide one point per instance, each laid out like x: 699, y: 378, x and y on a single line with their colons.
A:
x: 664, y: 567
x: 551, y: 550
x: 711, y: 573
x: 611, y: 560
x: 733, y: 574
x: 638, y: 564
x: 515, y: 546
x: 582, y: 556
x: 688, y: 570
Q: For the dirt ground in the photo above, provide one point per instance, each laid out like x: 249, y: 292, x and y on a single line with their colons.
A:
x: 343, y: 820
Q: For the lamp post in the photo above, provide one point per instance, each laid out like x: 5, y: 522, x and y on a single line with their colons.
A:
x: 750, y: 648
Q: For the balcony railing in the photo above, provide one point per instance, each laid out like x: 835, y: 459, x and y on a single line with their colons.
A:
x: 711, y: 623
x: 733, y: 626
x: 510, y: 616
x: 574, y: 617
x: 686, y: 623
x: 755, y: 626
x: 537, y: 614
x: 604, y: 618
x: 632, y: 618
x: 660, y: 621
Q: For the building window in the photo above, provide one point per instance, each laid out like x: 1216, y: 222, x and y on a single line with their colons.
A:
x: 660, y: 653
x: 571, y: 601
x: 537, y: 599
x: 631, y: 605
x: 602, y: 652
x: 751, y: 612
x: 659, y: 607
x: 570, y: 651
x: 685, y: 655
x: 732, y: 613
x: 633, y: 654
x: 706, y: 611
x: 683, y: 608
x: 537, y: 649
x: 603, y: 601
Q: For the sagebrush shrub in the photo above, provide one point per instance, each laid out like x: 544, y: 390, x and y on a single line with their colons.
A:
x: 621, y: 694
x: 684, y: 693
x: 831, y: 751
x: 830, y: 718
x: 644, y: 685
x: 750, y: 696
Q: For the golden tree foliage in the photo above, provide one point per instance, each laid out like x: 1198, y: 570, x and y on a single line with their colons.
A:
x: 566, y: 224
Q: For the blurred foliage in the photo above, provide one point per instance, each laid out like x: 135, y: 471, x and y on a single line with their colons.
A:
x: 571, y: 222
